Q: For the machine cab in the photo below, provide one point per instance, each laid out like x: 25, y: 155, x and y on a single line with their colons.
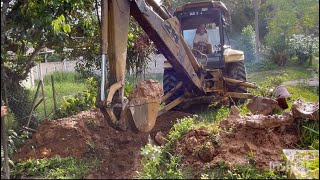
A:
x: 212, y: 14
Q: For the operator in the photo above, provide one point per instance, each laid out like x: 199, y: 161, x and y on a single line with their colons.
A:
x: 3, y: 111
x: 201, y: 40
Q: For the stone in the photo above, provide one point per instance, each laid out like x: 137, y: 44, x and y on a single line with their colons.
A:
x: 262, y: 105
x: 305, y: 110
x: 159, y: 138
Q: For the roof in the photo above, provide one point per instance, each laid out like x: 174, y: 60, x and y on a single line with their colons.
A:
x: 204, y: 4
x: 191, y: 15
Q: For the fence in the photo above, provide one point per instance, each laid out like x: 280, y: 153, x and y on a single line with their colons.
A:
x: 42, y: 69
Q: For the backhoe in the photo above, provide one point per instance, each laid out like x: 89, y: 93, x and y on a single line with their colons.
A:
x: 189, y: 74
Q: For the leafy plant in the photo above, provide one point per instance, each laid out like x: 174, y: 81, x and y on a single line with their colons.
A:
x: 304, y: 47
x: 221, y: 171
x: 251, y: 157
x: 309, y: 135
x: 15, y: 140
x: 56, y: 167
x: 128, y: 88
x: 159, y: 162
x: 80, y: 102
x: 265, y: 88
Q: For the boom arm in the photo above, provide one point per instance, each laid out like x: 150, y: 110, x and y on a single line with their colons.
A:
x: 162, y: 29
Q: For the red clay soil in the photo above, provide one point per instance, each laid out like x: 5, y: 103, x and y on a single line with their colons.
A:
x: 147, y: 89
x: 88, y: 135
x: 233, y: 144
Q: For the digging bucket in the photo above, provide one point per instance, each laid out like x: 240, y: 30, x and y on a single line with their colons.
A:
x: 144, y: 113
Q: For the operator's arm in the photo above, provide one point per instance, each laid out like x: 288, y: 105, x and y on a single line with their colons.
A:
x: 195, y: 41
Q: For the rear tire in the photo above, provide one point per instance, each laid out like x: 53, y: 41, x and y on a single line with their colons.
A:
x: 236, y: 70
x: 169, y: 82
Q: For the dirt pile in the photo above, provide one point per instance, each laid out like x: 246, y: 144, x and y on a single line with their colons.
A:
x: 88, y: 135
x: 252, y: 139
x: 234, y: 143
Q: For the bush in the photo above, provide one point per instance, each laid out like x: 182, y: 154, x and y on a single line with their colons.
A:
x: 278, y: 51
x: 80, y: 102
x: 248, y: 43
x: 304, y: 47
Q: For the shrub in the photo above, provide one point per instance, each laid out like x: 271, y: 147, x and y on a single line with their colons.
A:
x: 80, y: 102
x: 278, y: 44
x: 304, y: 47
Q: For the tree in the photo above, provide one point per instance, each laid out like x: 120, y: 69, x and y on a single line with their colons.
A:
x: 34, y: 23
x: 248, y: 43
x: 285, y: 19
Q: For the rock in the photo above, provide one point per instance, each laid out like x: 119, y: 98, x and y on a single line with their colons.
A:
x: 305, y: 110
x: 159, y: 138
x: 261, y: 121
x: 234, y: 111
x: 262, y: 105
x: 151, y: 141
x: 249, y: 146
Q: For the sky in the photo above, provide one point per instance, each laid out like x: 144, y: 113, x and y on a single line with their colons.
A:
x: 158, y: 1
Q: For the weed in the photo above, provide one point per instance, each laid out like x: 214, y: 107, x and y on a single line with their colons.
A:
x: 56, y: 167
x: 180, y: 128
x: 91, y: 123
x: 92, y: 146
x: 309, y: 94
x: 309, y: 135
x: 251, y: 157
x: 266, y: 88
x: 158, y: 162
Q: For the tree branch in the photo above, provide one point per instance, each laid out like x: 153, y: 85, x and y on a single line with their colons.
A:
x: 97, y: 12
x: 29, y: 63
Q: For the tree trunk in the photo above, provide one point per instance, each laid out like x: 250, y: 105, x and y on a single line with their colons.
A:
x: 256, y: 30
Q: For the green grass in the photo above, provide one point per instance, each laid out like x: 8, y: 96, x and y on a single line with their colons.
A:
x: 309, y: 94
x: 56, y: 167
x: 66, y: 84
x: 239, y: 172
x: 291, y: 73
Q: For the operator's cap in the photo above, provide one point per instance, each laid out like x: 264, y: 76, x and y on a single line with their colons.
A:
x: 280, y: 92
